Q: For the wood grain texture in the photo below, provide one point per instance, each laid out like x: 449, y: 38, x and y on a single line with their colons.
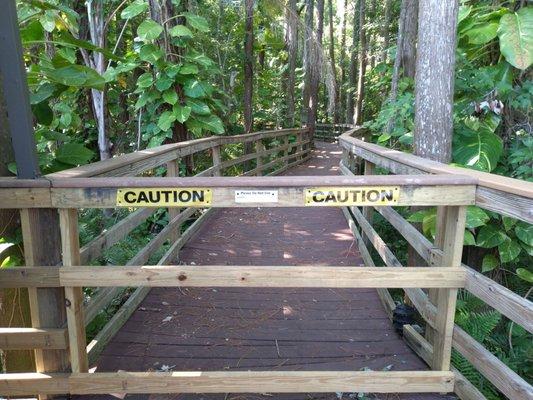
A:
x: 32, y: 338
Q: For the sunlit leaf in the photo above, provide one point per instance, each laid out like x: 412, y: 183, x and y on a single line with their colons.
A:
x: 182, y: 112
x: 165, y: 120
x: 134, y: 9
x: 490, y: 262
x: 491, y: 236
x: 149, y: 30
x: 180, y: 31
x: 170, y: 96
x: 516, y: 37
x: 509, y: 250
x: 74, y: 154
x: 197, y: 22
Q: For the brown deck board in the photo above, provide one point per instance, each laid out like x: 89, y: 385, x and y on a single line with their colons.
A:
x: 265, y: 328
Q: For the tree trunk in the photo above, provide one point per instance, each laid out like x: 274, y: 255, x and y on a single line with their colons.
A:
x: 332, y: 61
x: 14, y: 303
x: 352, y: 77
x: 386, y: 31
x: 248, y: 65
x: 291, y: 42
x: 96, y: 20
x: 315, y: 74
x: 371, y: 37
x: 405, y: 61
x: 434, y: 80
x: 358, y: 111
x: 342, y: 93
x: 308, y: 46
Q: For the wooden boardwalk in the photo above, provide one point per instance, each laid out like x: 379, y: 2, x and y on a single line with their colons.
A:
x: 265, y: 329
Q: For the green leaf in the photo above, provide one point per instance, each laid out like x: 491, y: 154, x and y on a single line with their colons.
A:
x: 171, y: 97
x: 149, y: 30
x: 188, y: 69
x: 163, y: 82
x: 32, y: 31
x: 198, y: 107
x: 197, y: 22
x: 165, y: 120
x: 479, y: 149
x: 145, y: 80
x: 134, y: 9
x: 508, y: 223
x: 475, y: 217
x: 525, y: 274
x: 150, y: 53
x: 43, y: 113
x: 182, y: 112
x: 76, y: 75
x: 74, y: 154
x: 524, y: 232
x: 509, y: 250
x: 482, y: 34
x: 45, y: 91
x: 48, y: 20
x: 212, y: 123
x: 469, y: 239
x: 490, y: 236
x: 516, y: 37
x: 194, y: 89
x: 489, y: 263
x: 181, y: 31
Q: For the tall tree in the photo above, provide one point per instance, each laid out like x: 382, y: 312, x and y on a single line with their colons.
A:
x: 405, y: 61
x: 342, y: 62
x: 315, y: 70
x: 93, y: 28
x: 358, y: 111
x: 332, y: 61
x: 385, y: 30
x: 248, y: 65
x: 434, y: 81
x: 352, y: 74
x: 307, y: 64
x: 291, y: 42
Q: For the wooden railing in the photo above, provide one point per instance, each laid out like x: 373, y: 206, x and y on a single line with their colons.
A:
x: 330, y: 132
x: 100, y: 185
x: 107, y: 184
x: 505, y: 196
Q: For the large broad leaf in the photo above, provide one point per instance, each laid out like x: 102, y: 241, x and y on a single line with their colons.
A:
x: 198, y: 107
x: 478, y: 147
x: 149, y: 30
x: 509, y: 250
x: 491, y: 236
x: 134, y: 9
x: 475, y: 217
x: 150, y: 53
x: 194, y: 89
x: 516, y: 37
x: 170, y: 96
x: 197, y: 22
x: 180, y: 31
x: 74, y: 154
x: 524, y: 232
x: 44, y: 91
x: 76, y: 75
x: 145, y: 80
x: 182, y: 112
x: 165, y: 120
x: 482, y: 34
x: 490, y: 261
x: 525, y: 274
x: 212, y: 123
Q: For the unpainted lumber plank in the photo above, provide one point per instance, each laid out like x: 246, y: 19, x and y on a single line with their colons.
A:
x: 32, y: 338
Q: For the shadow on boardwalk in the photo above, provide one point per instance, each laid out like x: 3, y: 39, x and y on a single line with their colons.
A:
x: 264, y: 328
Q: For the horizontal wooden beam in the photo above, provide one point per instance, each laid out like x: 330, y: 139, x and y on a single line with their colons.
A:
x: 32, y: 338
x: 262, y: 276
x: 513, y: 306
x: 463, y: 387
x: 20, y: 277
x: 228, y: 382
x: 507, y: 196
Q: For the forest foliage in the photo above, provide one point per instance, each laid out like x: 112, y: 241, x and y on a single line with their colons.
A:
x: 111, y: 77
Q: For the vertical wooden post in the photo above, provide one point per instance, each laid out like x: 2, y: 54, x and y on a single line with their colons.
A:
x: 68, y: 220
x: 452, y: 247
x: 259, y: 149
x: 173, y: 170
x: 42, y: 247
x: 215, y: 151
x: 439, y: 236
x: 299, y: 148
x: 286, y: 152
x: 368, y: 212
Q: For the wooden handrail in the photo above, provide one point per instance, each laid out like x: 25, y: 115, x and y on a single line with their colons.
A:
x: 508, y: 196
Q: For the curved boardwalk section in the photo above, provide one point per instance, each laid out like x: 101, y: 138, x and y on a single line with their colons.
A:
x: 265, y: 329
